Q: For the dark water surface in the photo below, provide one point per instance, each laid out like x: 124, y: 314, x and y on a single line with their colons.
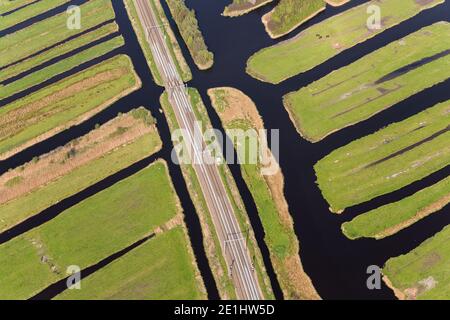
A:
x: 336, y: 265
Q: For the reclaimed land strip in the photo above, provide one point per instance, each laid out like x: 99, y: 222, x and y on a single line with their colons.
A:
x: 190, y: 32
x: 238, y: 112
x: 9, y: 6
x: 60, y: 67
x: 347, y: 177
x: 53, y: 53
x: 28, y: 12
x: 212, y: 244
x: 288, y: 15
x: 52, y: 177
x: 45, y: 33
x: 241, y: 7
x: 163, y: 268
x: 360, y: 90
x: 390, y: 219
x: 171, y: 41
x: 66, y: 103
x: 336, y: 3
x: 324, y: 40
x: 423, y: 273
x: 87, y: 232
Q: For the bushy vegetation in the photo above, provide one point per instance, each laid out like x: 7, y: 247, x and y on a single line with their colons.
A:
x: 289, y: 14
x: 240, y: 7
x: 188, y: 26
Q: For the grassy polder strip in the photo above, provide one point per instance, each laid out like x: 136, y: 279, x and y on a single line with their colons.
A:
x: 10, y: 5
x: 423, y: 273
x: 160, y: 269
x: 171, y: 41
x: 61, y: 49
x: 390, y: 219
x: 45, y: 33
x: 241, y: 7
x: 29, y: 12
x: 324, y: 40
x: 50, y: 110
x: 371, y: 84
x: 237, y: 111
x: 289, y: 15
x: 88, y: 232
x: 190, y: 32
x: 60, y: 67
x: 35, y: 186
x: 386, y: 160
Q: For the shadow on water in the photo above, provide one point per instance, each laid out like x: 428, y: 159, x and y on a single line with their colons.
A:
x: 336, y: 265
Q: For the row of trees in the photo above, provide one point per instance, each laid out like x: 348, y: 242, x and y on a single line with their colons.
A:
x: 188, y: 25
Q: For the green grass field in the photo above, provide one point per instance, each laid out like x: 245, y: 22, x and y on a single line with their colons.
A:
x: 279, y: 234
x: 423, y: 273
x: 240, y: 7
x: 54, y: 108
x: 61, y: 49
x: 45, y: 33
x: 28, y: 12
x: 88, y: 232
x: 324, y: 40
x: 389, y: 219
x: 289, y: 14
x: 62, y: 66
x: 371, y: 84
x: 387, y: 160
x: 171, y: 42
x: 9, y: 5
x: 159, y: 269
x: 81, y: 173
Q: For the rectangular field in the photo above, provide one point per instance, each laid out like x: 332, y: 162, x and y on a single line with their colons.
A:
x: 60, y: 67
x: 423, y: 273
x: 389, y: 219
x: 28, y: 12
x: 50, y: 110
x: 44, y: 181
x: 160, y: 269
x: 324, y: 40
x: 11, y: 5
x: 371, y: 84
x: 386, y: 160
x: 46, y: 33
x: 88, y: 232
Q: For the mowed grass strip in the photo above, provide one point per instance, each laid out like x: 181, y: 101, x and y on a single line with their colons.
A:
x: 324, y: 40
x: 387, y: 160
x: 423, y: 273
x: 60, y: 67
x: 44, y: 181
x: 371, y: 84
x: 52, y: 109
x: 45, y: 33
x: 28, y: 12
x: 171, y: 41
x: 239, y: 114
x: 88, y: 232
x: 57, y: 51
x: 10, y: 5
x: 159, y: 269
x: 240, y: 7
x: 290, y: 14
x: 390, y: 219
